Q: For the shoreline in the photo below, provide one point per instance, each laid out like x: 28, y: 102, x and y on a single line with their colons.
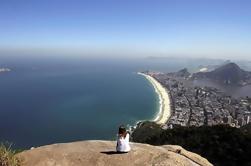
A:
x: 164, y: 100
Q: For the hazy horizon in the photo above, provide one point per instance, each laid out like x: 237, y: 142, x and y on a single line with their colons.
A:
x: 118, y: 29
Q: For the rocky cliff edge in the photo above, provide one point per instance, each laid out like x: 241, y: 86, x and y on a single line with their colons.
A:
x: 102, y: 153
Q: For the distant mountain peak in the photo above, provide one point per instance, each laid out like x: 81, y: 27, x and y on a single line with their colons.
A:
x: 183, y: 73
x: 229, y: 73
x: 229, y: 66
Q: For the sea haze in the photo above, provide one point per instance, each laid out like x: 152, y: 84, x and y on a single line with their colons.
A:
x: 48, y: 101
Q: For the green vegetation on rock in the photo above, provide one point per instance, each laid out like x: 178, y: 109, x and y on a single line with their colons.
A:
x: 221, y: 145
x: 7, y: 156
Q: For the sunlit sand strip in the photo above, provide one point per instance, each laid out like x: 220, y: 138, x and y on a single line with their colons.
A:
x: 164, y: 100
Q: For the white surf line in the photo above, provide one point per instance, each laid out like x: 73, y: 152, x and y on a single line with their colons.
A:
x: 164, y: 100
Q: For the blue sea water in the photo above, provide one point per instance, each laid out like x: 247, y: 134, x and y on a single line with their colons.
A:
x: 49, y: 101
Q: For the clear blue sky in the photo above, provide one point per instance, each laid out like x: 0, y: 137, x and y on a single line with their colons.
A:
x: 219, y: 28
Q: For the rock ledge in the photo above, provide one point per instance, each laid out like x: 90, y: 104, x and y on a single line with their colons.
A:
x: 102, y: 153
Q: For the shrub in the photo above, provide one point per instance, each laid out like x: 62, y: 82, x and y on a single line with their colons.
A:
x: 7, y: 156
x: 221, y: 145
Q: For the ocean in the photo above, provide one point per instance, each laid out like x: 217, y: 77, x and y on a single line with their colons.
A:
x: 50, y: 99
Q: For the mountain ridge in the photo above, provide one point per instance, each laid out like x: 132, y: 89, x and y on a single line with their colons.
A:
x: 229, y: 73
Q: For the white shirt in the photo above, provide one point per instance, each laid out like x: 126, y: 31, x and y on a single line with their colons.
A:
x: 123, y: 144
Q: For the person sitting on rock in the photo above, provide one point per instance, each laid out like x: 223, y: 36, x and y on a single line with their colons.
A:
x: 123, y: 140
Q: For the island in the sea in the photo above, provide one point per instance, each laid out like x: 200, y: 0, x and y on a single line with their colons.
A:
x: 2, y: 70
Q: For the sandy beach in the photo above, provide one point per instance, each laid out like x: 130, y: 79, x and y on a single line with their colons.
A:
x: 164, y: 100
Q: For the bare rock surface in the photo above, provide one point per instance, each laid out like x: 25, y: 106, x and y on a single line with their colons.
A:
x: 103, y: 153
